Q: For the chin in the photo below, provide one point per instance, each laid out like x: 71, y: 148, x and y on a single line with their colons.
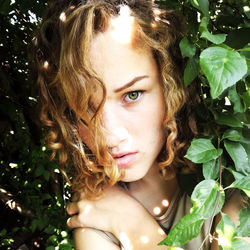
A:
x: 129, y: 176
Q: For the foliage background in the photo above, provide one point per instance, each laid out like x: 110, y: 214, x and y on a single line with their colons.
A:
x: 32, y: 191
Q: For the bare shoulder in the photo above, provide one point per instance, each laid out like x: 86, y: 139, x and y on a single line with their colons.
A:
x: 90, y: 239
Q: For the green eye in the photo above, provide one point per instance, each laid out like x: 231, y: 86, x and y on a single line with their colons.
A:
x: 132, y: 96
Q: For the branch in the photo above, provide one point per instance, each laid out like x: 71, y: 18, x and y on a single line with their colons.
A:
x: 8, y: 199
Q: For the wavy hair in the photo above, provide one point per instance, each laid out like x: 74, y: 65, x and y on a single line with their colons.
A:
x: 65, y: 76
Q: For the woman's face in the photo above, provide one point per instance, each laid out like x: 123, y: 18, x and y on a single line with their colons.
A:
x: 134, y: 110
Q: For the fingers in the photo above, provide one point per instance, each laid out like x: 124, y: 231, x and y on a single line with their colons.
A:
x: 75, y: 222
x: 72, y: 208
x: 81, y: 213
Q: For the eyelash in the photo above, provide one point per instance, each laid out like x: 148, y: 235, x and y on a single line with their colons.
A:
x: 139, y: 92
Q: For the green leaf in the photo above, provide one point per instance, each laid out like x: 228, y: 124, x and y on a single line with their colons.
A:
x: 222, y: 67
x: 216, y: 39
x: 227, y: 119
x: 243, y: 184
x: 191, y: 70
x: 225, y: 230
x: 5, y: 7
x: 189, y: 226
x: 39, y: 170
x: 236, y: 174
x: 211, y: 169
x: 244, y: 49
x: 202, y: 5
x: 232, y: 135
x: 46, y: 175
x: 202, y: 150
x: 34, y: 225
x: 243, y: 229
x: 239, y: 244
x: 236, y: 100
x: 238, y: 155
x: 205, y: 198
x: 50, y: 229
x: 3, y: 232
x: 246, y: 96
x: 187, y: 49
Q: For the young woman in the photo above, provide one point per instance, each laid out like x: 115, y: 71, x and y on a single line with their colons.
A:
x: 113, y: 99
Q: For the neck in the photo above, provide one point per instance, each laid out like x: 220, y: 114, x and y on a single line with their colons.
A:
x: 152, y: 189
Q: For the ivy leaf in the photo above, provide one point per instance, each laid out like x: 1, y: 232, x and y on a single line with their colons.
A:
x: 243, y: 184
x: 191, y: 70
x: 189, y: 226
x: 227, y: 119
x: 243, y: 229
x: 232, y: 135
x: 239, y: 244
x: 202, y: 5
x: 46, y: 175
x: 238, y: 155
x: 236, y: 174
x: 211, y: 169
x: 39, y: 170
x: 246, y: 96
x: 5, y: 7
x: 225, y: 230
x: 202, y: 150
x: 205, y: 198
x: 187, y: 49
x: 216, y: 39
x: 236, y: 100
x: 222, y: 67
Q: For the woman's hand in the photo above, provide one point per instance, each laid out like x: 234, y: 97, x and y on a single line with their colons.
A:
x: 119, y: 213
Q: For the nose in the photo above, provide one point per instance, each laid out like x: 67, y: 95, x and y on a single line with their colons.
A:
x: 115, y: 130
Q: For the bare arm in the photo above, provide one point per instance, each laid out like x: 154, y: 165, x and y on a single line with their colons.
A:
x: 89, y: 239
x: 120, y: 214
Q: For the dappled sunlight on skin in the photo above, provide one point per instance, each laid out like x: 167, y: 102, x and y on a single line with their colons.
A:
x: 156, y: 210
x: 165, y: 203
x: 121, y: 132
x: 125, y: 241
x: 144, y: 239
x: 87, y: 209
x: 122, y: 26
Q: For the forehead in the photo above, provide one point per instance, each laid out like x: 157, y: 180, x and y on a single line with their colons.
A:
x: 116, y: 62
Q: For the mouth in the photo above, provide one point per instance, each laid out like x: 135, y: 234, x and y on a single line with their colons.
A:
x: 124, y: 160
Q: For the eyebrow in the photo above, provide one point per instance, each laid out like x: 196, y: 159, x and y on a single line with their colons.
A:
x: 132, y: 82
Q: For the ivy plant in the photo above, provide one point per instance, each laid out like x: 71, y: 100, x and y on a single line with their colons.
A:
x: 217, y: 56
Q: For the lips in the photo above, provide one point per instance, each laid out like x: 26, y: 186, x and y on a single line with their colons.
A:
x: 124, y: 160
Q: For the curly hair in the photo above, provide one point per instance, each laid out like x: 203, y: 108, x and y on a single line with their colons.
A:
x: 65, y: 75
